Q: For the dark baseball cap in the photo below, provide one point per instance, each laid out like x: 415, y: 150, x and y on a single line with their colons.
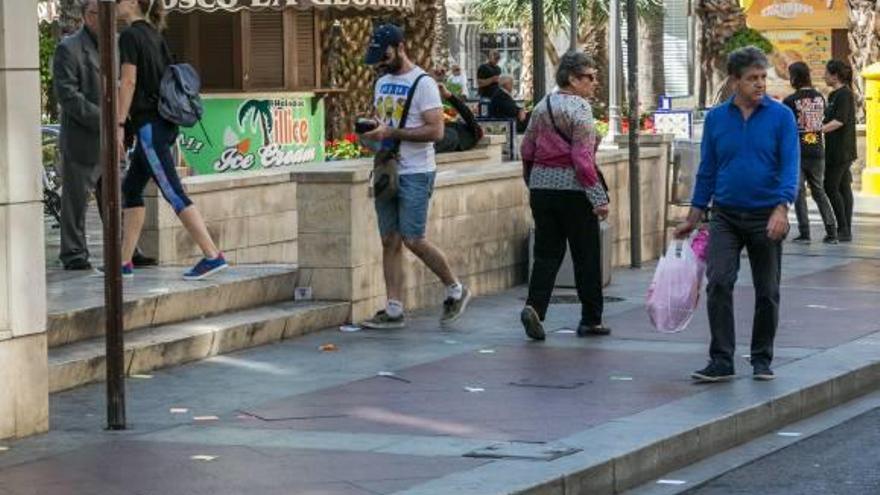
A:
x: 383, y: 36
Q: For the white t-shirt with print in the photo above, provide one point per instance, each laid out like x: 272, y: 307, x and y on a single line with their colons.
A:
x: 390, y: 98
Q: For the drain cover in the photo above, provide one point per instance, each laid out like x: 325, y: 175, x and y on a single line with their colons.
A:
x: 521, y: 450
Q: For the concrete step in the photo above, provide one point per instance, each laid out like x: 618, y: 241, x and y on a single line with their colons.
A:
x: 148, y: 349
x: 158, y: 296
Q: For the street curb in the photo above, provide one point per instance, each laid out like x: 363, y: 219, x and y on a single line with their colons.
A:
x: 626, y: 453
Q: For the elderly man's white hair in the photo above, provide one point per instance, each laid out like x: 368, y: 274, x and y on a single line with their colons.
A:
x: 505, y: 78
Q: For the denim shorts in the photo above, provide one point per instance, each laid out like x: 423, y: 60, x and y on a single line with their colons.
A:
x: 407, y: 214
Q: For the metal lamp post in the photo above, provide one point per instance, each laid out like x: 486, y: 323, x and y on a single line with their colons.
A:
x: 632, y: 46
x: 112, y: 219
x: 539, y: 87
x: 614, y: 71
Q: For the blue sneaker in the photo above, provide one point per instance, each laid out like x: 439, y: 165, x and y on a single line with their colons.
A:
x: 127, y: 271
x: 206, y: 267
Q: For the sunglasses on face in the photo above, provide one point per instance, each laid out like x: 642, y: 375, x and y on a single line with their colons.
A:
x: 590, y: 76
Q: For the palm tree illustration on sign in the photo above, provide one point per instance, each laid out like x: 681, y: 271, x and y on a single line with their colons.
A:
x: 258, y: 112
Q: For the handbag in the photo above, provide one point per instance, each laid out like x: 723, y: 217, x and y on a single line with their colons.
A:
x: 568, y: 140
x: 385, y: 174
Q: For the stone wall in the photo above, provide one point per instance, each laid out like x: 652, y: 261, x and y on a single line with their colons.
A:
x: 24, y: 378
x: 252, y: 217
x: 479, y: 217
x: 653, y: 174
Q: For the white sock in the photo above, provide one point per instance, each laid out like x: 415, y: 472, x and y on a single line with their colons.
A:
x: 455, y: 291
x: 394, y: 308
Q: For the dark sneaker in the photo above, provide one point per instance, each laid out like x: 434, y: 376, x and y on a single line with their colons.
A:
x: 78, y: 265
x: 831, y: 239
x: 584, y: 330
x: 382, y: 321
x: 532, y: 323
x: 139, y: 260
x: 844, y: 237
x: 454, y: 308
x: 801, y: 239
x: 762, y: 372
x: 713, y: 373
x: 206, y: 267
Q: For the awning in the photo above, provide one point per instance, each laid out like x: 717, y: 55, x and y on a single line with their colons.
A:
x: 235, y: 5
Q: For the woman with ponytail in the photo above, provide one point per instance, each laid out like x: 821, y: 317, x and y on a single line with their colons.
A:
x: 840, y: 144
x: 144, y: 56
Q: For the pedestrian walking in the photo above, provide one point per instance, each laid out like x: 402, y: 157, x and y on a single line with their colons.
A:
x: 840, y: 144
x: 77, y: 85
x: 751, y: 189
x: 414, y: 100
x: 567, y: 195
x: 144, y: 56
x: 808, y: 106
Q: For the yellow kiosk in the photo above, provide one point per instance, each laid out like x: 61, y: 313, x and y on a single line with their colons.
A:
x: 871, y: 173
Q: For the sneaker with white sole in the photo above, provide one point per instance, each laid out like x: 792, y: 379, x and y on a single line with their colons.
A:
x: 454, y: 308
x: 383, y: 321
x: 206, y: 267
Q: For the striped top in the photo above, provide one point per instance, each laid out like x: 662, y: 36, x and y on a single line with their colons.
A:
x: 549, y: 161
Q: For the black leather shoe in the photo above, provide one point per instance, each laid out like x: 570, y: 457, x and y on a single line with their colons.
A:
x: 78, y: 265
x: 531, y: 323
x: 139, y: 260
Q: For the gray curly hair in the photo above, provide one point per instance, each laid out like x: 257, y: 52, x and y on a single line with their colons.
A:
x: 744, y: 58
x: 572, y: 64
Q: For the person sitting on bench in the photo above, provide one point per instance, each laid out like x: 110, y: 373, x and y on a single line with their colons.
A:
x: 503, y: 106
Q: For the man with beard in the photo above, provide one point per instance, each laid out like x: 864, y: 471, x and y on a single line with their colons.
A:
x: 750, y: 158
x: 403, y: 218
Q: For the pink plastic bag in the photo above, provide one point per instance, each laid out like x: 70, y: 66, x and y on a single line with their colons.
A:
x: 675, y: 290
x: 700, y: 244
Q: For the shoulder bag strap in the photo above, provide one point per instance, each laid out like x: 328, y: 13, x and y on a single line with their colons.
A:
x: 568, y: 140
x: 553, y: 121
x: 405, y: 113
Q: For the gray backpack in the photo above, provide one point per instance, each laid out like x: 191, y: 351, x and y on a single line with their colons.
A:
x: 179, y: 99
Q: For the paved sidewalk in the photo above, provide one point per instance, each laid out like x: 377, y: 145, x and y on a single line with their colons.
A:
x: 476, y: 409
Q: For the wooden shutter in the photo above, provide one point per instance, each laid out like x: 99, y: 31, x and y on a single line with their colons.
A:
x: 266, y: 50
x: 216, y: 35
x: 304, y: 57
x: 176, y: 35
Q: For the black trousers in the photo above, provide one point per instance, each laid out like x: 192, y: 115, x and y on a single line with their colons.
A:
x: 813, y: 175
x: 560, y: 217
x: 838, y: 186
x: 730, y: 232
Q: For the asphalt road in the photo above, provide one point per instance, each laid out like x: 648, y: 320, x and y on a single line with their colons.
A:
x: 844, y: 460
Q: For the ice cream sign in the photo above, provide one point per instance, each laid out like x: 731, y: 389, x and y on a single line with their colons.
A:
x: 253, y: 133
x: 797, y: 14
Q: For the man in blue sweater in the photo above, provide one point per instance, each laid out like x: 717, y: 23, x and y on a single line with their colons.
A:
x: 749, y: 173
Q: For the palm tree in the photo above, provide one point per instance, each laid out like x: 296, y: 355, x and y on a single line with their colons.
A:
x: 719, y: 20
x: 260, y: 113
x: 863, y: 42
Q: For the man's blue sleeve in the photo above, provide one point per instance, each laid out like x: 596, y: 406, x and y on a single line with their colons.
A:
x: 789, y: 158
x: 704, y: 188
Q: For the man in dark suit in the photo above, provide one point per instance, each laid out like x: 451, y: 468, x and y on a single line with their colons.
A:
x: 503, y: 106
x: 77, y: 85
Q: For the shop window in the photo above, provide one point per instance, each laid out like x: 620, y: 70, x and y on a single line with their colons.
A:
x: 266, y: 50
